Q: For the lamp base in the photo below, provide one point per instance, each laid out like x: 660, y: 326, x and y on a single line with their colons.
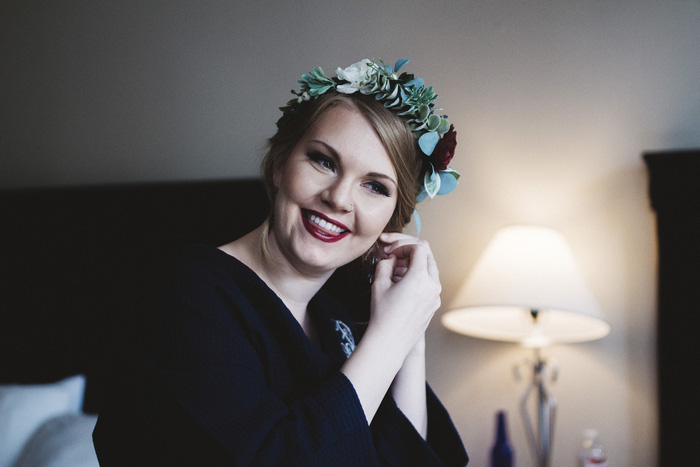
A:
x: 539, y: 428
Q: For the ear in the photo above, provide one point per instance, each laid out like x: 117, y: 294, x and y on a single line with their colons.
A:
x: 277, y: 175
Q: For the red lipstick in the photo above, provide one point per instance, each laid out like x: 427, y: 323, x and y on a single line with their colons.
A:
x: 322, y: 233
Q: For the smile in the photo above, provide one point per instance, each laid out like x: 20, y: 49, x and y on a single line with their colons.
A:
x: 323, y: 228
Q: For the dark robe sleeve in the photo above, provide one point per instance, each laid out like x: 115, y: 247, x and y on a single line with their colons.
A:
x: 398, y: 443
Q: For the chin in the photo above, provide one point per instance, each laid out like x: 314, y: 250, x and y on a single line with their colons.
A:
x: 331, y: 257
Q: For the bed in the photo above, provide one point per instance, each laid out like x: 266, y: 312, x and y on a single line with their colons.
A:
x: 75, y: 268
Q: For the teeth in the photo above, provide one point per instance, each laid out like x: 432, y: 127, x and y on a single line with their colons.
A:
x: 324, y: 224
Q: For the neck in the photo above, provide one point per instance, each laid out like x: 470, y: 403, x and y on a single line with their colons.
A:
x: 294, y: 287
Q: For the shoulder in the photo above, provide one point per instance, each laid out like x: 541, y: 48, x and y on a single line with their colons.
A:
x: 208, y: 292
x: 197, y: 256
x: 201, y: 275
x: 206, y: 277
x: 200, y: 262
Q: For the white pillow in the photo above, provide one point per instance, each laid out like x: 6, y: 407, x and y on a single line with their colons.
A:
x: 24, y: 408
x: 63, y: 441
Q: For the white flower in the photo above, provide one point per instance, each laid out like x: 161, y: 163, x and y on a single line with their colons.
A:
x: 355, y: 74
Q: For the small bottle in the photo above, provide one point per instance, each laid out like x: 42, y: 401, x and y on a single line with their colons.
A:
x: 501, y: 453
x: 592, y: 454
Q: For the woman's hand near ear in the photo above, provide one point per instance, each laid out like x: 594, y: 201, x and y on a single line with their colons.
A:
x: 405, y: 296
x: 406, y: 289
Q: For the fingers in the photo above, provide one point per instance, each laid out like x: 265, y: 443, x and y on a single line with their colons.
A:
x: 432, y: 266
x: 384, y: 271
x: 406, y: 290
x: 395, y: 240
x: 398, y: 273
x: 392, y: 268
x: 403, y: 247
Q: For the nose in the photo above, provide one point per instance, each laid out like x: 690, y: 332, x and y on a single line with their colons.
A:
x: 339, y: 196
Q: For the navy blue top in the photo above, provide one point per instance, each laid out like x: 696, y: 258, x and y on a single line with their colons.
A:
x: 230, y: 378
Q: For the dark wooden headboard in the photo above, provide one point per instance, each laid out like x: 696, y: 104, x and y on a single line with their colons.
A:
x: 76, y: 264
x: 675, y: 196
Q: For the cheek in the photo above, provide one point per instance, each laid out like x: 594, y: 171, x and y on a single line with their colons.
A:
x: 292, y: 184
x: 377, y: 217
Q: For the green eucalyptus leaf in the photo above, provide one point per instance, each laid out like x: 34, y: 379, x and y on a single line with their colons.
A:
x: 416, y: 126
x: 394, y: 94
x: 433, y: 122
x: 393, y: 104
x: 319, y: 74
x: 322, y: 90
x: 423, y: 113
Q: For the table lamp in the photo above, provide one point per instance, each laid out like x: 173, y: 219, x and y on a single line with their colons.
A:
x: 526, y: 288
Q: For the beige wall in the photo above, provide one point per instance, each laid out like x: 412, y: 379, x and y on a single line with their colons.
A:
x: 554, y: 102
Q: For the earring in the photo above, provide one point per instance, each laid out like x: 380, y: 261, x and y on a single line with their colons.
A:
x: 370, y: 260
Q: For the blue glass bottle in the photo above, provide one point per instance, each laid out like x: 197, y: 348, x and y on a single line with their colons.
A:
x: 501, y: 453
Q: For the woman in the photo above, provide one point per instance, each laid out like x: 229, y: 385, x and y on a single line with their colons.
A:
x: 253, y: 364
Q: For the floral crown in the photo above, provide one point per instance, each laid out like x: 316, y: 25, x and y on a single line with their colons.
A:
x: 404, y: 94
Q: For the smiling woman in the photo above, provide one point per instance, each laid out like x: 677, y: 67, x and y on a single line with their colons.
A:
x: 339, y: 173
x: 251, y: 362
x: 394, y: 134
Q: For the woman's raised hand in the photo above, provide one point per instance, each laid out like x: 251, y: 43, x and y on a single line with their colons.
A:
x: 405, y: 296
x: 406, y: 288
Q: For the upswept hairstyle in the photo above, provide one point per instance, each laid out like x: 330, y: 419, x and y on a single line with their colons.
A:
x: 393, y: 131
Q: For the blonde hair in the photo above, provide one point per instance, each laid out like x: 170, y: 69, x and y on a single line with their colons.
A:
x: 393, y: 131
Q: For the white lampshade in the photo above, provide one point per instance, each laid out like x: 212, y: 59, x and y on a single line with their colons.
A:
x: 527, y: 268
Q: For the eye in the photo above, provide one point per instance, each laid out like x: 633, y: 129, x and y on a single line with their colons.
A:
x: 378, y: 188
x: 322, y: 160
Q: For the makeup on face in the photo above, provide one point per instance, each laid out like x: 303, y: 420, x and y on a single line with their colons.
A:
x: 337, y: 192
x: 322, y: 227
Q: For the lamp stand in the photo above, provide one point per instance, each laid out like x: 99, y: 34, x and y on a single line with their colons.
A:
x: 537, y: 394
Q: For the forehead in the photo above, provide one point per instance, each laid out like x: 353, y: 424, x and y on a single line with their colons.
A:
x: 350, y: 134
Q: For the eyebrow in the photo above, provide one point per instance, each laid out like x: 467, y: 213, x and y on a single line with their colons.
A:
x: 335, y: 154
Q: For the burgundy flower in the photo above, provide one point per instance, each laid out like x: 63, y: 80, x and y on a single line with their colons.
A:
x: 445, y: 149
